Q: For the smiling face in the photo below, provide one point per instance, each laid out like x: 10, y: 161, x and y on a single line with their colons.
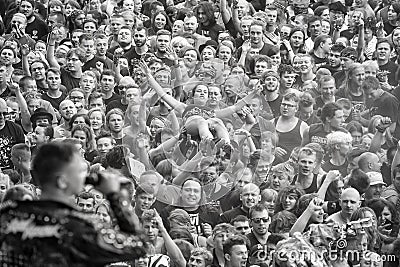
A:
x: 160, y: 21
x: 250, y: 195
x: 191, y: 194
x: 290, y: 202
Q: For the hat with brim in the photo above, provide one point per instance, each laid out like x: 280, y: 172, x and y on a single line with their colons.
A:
x: 211, y: 43
x: 41, y: 113
x: 375, y: 178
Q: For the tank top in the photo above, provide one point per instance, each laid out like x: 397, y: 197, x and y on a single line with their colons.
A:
x: 313, y: 188
x: 318, y: 135
x: 289, y: 140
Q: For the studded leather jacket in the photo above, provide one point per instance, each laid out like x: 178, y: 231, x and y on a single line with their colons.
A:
x: 49, y: 233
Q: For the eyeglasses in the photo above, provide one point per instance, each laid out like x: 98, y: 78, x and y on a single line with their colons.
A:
x: 37, y: 69
x: 258, y: 220
x: 3, y: 114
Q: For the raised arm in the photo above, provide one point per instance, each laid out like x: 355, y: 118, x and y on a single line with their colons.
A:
x: 223, y: 113
x: 51, y: 47
x: 25, y: 114
x: 329, y: 178
x: 225, y: 12
x: 175, y: 104
x: 302, y: 221
x: 25, y: 65
x: 172, y: 249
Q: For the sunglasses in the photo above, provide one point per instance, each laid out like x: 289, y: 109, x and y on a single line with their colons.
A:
x: 258, y: 220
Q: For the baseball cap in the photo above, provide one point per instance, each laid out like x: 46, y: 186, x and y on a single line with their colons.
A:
x: 375, y: 178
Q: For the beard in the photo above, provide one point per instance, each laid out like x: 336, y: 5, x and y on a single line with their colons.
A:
x: 124, y: 43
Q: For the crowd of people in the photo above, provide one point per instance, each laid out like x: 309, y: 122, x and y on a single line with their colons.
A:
x: 199, y: 133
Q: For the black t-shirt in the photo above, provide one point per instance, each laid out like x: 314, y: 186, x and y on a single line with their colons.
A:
x: 6, y: 93
x: 211, y: 31
x: 114, y: 97
x: 55, y: 102
x: 91, y: 64
x: 10, y: 135
x: 318, y: 60
x: 340, y: 77
x: 327, y: 166
x: 116, y: 104
x: 37, y: 29
x: 275, y: 106
x: 68, y: 81
x: 387, y: 105
x: 393, y: 69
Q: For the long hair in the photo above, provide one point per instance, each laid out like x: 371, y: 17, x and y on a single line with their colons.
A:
x: 293, y: 31
x: 371, y: 231
x: 284, y: 193
x: 208, y: 9
x: 349, y: 81
x: 90, y: 141
x: 167, y: 26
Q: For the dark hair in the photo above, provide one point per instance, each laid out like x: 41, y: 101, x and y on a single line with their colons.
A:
x: 282, y: 222
x: 378, y: 204
x: 208, y: 9
x: 115, y: 158
x: 239, y: 218
x: 328, y: 111
x: 285, y: 68
x: 384, y: 40
x: 354, y: 126
x: 77, y: 115
x: 370, y: 82
x: 108, y: 73
x: 257, y: 208
x: 359, y: 180
x: 283, y: 193
x: 50, y: 159
x: 78, y: 52
x: 337, y: 47
x: 144, y: 189
x: 234, y: 241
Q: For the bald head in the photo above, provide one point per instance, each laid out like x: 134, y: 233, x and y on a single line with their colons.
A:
x: 368, y: 162
x: 351, y: 192
x: 350, y: 201
x: 250, y: 195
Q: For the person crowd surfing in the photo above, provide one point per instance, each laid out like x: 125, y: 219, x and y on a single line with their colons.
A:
x: 199, y: 133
